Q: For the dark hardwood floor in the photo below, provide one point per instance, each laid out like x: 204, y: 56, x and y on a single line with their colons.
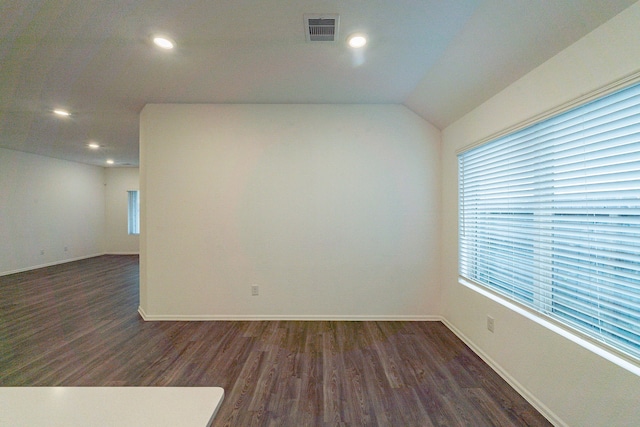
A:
x: 76, y: 324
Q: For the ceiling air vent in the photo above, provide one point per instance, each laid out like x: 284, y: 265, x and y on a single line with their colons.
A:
x: 321, y: 28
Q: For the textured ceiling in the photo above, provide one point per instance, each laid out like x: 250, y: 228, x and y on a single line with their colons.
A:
x: 439, y: 58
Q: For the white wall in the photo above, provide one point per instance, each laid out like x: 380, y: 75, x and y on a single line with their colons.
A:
x: 332, y: 210
x: 571, y: 385
x: 118, y: 181
x: 48, y: 205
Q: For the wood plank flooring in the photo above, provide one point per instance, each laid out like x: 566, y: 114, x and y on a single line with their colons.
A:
x: 76, y: 324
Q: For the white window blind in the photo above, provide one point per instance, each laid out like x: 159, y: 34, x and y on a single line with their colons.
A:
x: 134, y: 212
x: 550, y: 217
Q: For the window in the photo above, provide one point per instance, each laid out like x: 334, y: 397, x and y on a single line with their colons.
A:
x: 550, y: 217
x: 134, y: 212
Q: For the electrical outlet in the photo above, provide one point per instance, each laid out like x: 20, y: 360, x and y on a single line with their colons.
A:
x: 255, y: 290
x: 490, y: 323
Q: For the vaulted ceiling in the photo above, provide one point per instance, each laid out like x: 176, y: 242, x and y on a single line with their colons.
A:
x: 440, y: 58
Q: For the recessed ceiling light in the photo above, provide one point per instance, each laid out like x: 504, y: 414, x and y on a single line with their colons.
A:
x: 94, y: 145
x: 357, y: 40
x: 163, y: 42
x: 110, y: 162
x: 62, y: 113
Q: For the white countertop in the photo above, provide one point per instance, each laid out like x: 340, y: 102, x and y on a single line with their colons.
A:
x: 109, y: 406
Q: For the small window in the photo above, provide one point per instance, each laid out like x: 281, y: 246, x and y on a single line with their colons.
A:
x: 134, y: 212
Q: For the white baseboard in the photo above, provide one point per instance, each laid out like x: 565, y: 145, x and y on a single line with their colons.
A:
x: 122, y: 253
x: 528, y: 396
x: 223, y: 317
x: 49, y: 264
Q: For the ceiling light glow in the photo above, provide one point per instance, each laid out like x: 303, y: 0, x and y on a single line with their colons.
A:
x: 110, y: 162
x: 163, y: 42
x: 61, y: 112
x: 94, y: 145
x: 357, y: 41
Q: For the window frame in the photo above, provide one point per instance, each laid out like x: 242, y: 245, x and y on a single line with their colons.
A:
x: 543, y: 298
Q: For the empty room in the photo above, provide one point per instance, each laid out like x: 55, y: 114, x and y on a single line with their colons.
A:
x: 394, y: 213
